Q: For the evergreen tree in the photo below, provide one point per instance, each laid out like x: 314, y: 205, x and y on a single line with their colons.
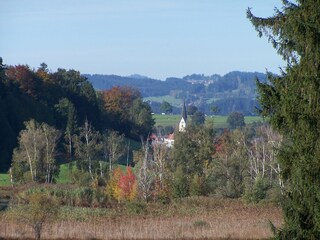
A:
x: 236, y: 120
x: 292, y: 103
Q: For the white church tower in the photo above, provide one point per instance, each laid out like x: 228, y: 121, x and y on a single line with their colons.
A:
x: 183, y: 120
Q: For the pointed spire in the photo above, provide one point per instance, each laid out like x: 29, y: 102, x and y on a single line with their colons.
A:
x: 184, y: 111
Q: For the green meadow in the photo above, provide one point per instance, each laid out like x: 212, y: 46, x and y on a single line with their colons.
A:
x: 218, y: 121
x: 4, y: 179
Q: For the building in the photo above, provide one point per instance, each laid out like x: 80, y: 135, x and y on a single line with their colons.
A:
x: 184, y: 118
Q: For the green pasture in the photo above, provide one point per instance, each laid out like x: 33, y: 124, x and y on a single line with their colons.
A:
x: 218, y: 121
x: 63, y: 177
x: 170, y: 99
x: 166, y: 120
x: 4, y: 179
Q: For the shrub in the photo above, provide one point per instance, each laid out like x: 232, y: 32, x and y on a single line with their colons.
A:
x: 136, y: 207
x: 40, y: 209
x: 180, y: 184
x: 201, y: 224
x: 258, y: 191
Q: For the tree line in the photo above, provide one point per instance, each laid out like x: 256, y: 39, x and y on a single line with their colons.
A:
x: 66, y: 101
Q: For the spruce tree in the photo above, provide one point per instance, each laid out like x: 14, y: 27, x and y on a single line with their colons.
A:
x: 292, y: 103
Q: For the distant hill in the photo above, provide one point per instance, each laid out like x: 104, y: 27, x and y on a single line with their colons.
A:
x: 235, y: 91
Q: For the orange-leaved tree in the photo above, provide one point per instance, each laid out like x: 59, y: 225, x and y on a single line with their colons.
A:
x: 128, y: 185
x: 112, y: 188
x: 122, y: 186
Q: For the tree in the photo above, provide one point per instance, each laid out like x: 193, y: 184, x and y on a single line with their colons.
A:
x: 146, y: 173
x: 191, y: 110
x: 166, y: 107
x: 198, y: 118
x: 231, y: 164
x: 112, y: 189
x: 88, y: 146
x: 66, y: 108
x: 51, y: 137
x: 36, y: 153
x: 39, y: 210
x: 191, y: 155
x: 113, y: 147
x: 141, y: 117
x: 122, y: 186
x: 28, y: 81
x: 129, y: 114
x: 236, y: 120
x: 291, y: 102
x: 128, y: 185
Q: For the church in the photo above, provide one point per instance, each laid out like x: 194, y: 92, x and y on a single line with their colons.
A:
x: 184, y: 118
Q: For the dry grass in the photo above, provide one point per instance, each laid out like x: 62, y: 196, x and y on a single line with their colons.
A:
x: 222, y: 220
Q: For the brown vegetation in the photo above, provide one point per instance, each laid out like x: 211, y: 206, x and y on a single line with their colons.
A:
x: 192, y: 218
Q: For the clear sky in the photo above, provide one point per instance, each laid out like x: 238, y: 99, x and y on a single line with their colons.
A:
x: 156, y: 38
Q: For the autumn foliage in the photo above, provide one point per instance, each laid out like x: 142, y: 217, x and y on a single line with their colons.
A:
x: 122, y: 186
x: 118, y: 100
x: 26, y: 78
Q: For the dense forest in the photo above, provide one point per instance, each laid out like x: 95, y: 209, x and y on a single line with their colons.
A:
x: 65, y: 100
x: 235, y: 91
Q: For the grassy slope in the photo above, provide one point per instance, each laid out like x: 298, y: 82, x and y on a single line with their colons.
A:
x: 173, y: 101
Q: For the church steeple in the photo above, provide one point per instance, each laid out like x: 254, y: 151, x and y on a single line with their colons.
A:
x: 184, y: 111
x: 184, y: 118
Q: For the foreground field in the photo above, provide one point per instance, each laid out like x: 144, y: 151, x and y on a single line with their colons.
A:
x: 192, y: 218
x: 219, y: 121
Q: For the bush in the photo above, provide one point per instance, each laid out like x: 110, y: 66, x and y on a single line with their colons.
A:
x: 258, y: 191
x: 135, y: 207
x: 40, y: 208
x: 180, y: 184
x: 201, y: 224
x: 80, y: 178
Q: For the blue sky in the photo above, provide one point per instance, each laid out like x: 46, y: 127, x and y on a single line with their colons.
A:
x: 156, y: 38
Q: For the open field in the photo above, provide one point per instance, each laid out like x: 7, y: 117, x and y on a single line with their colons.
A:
x: 170, y: 99
x: 219, y: 121
x: 4, y: 179
x: 193, y: 218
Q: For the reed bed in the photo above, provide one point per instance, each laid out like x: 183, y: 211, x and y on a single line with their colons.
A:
x: 233, y: 220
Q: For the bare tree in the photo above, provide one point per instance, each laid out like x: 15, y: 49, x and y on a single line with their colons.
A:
x: 113, y: 147
x: 51, y: 137
x: 262, y: 153
x: 146, y: 174
x: 36, y: 152
x: 87, y: 147
x: 160, y: 157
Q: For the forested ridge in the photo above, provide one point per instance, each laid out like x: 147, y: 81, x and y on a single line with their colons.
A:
x: 235, y: 91
x: 65, y: 100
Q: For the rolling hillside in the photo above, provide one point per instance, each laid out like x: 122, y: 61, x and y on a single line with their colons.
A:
x: 235, y: 91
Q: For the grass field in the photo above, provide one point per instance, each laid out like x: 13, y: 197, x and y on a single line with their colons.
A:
x: 189, y: 218
x: 173, y: 101
x: 219, y: 121
x: 4, y: 179
x: 63, y: 177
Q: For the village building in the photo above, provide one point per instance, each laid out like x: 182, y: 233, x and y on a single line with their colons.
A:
x: 169, y: 138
